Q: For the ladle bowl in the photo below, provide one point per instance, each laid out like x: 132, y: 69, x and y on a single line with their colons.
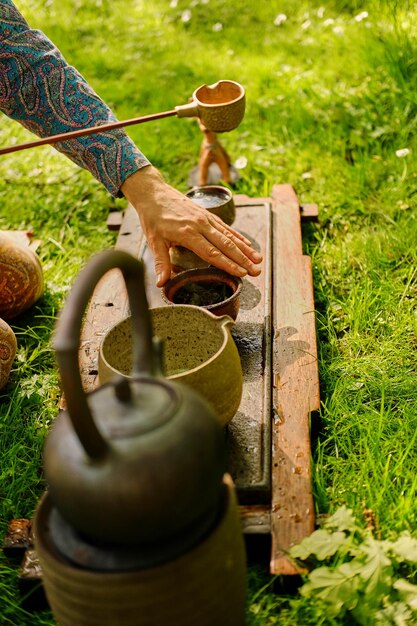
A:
x: 220, y: 106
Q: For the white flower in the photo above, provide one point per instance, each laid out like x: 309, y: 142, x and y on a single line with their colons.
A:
x: 280, y: 19
x: 306, y: 24
x: 186, y: 16
x: 306, y: 175
x: 338, y: 30
x: 241, y: 163
x: 217, y: 27
x: 320, y: 12
x: 173, y: 4
x: 328, y: 22
x: 402, y: 153
x: 361, y: 16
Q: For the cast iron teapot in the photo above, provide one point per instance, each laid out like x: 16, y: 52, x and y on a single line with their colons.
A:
x: 134, y: 461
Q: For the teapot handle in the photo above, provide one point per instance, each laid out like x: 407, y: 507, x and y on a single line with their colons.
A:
x: 67, y: 338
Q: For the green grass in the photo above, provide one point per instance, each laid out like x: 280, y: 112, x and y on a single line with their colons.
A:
x: 331, y: 99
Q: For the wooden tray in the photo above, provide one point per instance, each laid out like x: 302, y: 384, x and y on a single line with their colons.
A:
x: 269, y: 438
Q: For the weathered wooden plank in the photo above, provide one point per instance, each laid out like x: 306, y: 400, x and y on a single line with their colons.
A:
x: 109, y: 303
x: 115, y: 220
x: 17, y: 539
x: 309, y: 212
x: 295, y: 382
x: 255, y: 519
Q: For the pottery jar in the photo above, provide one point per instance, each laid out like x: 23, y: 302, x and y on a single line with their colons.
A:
x: 21, y: 277
x: 7, y: 351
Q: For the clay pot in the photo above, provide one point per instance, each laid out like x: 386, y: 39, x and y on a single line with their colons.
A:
x: 7, y: 351
x: 217, y: 200
x: 204, y: 285
x: 21, y: 278
x: 205, y: 586
x: 199, y: 351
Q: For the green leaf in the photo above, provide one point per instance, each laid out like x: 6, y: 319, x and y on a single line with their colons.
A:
x: 407, y: 592
x: 397, y: 614
x: 342, y: 519
x: 321, y: 544
x: 405, y: 548
x: 338, y: 588
x: 376, y: 570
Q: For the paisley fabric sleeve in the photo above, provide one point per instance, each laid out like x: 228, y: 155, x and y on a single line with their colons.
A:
x: 48, y: 96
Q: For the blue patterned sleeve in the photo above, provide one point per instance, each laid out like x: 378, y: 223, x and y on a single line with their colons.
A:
x: 48, y: 96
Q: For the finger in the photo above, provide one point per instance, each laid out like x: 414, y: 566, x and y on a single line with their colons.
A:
x: 218, y: 221
x: 247, y: 249
x: 240, y: 240
x: 223, y: 253
x: 235, y: 250
x: 162, y: 261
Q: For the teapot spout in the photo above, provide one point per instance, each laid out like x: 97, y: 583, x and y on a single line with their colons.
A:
x: 225, y: 321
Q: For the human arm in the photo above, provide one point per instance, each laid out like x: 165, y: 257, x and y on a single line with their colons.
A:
x: 39, y: 89
x: 48, y: 96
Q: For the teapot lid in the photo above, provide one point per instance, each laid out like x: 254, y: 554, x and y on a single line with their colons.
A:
x: 129, y: 408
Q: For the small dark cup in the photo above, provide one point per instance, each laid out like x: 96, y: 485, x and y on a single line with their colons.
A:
x: 209, y: 288
x: 216, y: 199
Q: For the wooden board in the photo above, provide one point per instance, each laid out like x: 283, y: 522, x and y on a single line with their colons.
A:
x: 295, y: 382
x: 289, y: 380
x: 294, y: 370
x: 275, y: 493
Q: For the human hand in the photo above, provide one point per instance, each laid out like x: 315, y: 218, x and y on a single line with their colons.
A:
x: 169, y: 218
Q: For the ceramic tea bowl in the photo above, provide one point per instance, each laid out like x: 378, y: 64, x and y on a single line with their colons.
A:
x: 217, y: 200
x: 209, y: 288
x: 198, y: 350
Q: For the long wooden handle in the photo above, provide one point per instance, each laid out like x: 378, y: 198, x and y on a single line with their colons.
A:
x: 87, y: 131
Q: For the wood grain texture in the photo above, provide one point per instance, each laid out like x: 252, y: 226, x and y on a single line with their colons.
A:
x: 295, y: 382
x: 109, y: 304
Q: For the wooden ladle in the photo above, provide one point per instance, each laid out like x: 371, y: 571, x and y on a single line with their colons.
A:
x: 220, y: 107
